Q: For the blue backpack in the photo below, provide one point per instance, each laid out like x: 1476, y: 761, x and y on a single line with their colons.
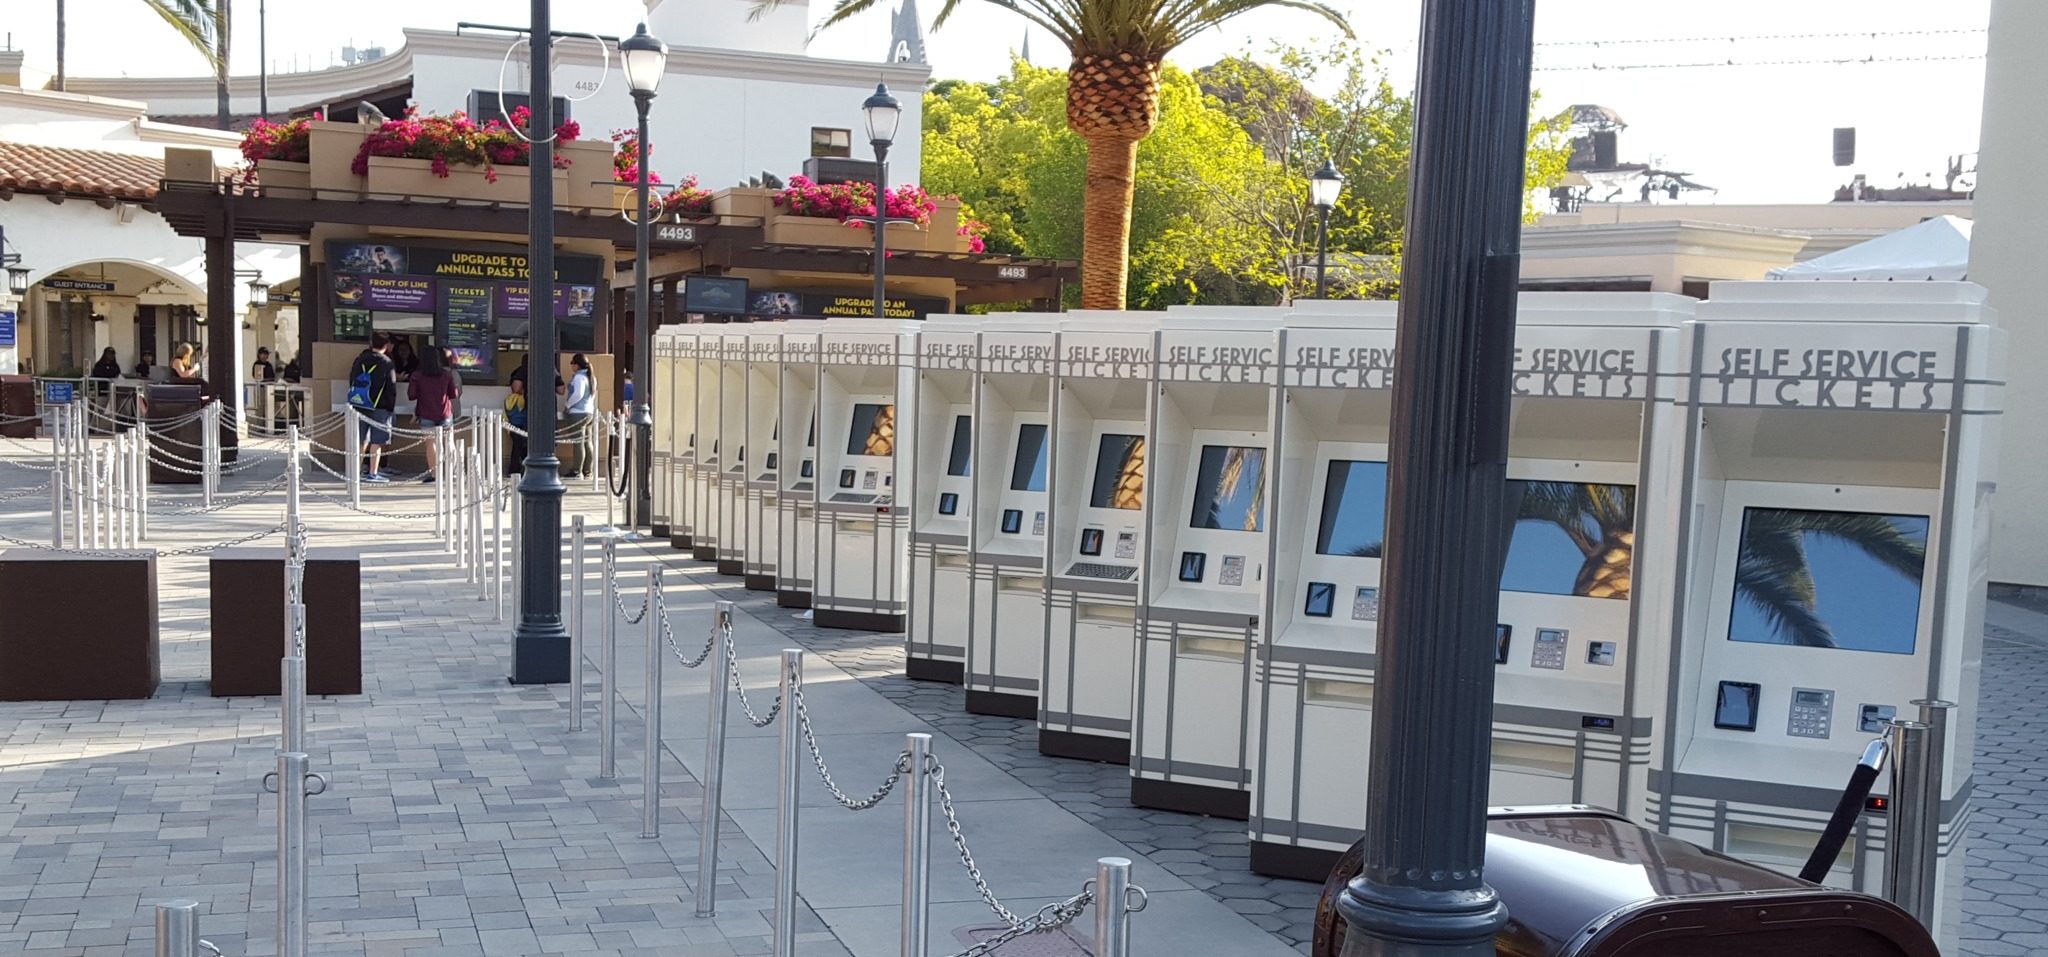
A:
x: 359, y: 387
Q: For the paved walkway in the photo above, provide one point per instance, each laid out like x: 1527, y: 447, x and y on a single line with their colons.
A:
x: 464, y: 819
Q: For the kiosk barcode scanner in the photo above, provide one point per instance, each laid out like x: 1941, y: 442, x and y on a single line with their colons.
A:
x: 1096, y: 545
x: 1200, y: 613
x: 1837, y: 511
x: 867, y: 386
x: 705, y: 473
x: 764, y: 433
x: 733, y: 425
x: 680, y: 401
x: 796, y: 535
x: 941, y: 496
x: 1012, y: 509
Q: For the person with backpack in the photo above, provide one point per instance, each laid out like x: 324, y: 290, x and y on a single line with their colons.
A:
x: 515, y: 416
x: 577, y: 409
x: 373, y: 392
x: 433, y: 389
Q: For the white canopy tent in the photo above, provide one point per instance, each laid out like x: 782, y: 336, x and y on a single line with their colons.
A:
x: 1937, y: 248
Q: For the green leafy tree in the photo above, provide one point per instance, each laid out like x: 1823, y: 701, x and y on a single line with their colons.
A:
x: 203, y: 24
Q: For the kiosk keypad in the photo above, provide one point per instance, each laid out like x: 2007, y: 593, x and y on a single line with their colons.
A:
x: 1549, y: 650
x: 1813, y: 712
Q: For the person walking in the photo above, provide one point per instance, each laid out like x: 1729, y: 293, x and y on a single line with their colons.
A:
x: 433, y: 390
x: 515, y: 416
x: 578, y: 406
x: 373, y: 392
x: 262, y: 370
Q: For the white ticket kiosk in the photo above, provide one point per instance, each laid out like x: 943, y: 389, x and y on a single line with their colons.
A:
x: 705, y: 472
x: 1006, y: 558
x: 1200, y: 614
x: 867, y: 384
x: 764, y: 454
x: 679, y: 409
x: 1837, y: 518
x: 1096, y: 545
x: 940, y: 494
x: 796, y: 475
x: 661, y: 458
x: 733, y: 431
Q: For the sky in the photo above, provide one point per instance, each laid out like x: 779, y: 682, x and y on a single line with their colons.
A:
x: 1869, y: 606
x: 1759, y: 132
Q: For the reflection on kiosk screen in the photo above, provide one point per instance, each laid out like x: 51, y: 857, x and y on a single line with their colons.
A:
x: 1028, y: 474
x: 1354, y: 510
x: 1824, y: 579
x: 960, y: 460
x: 811, y: 438
x: 1230, y: 489
x: 1119, y: 472
x: 873, y: 431
x: 1572, y: 538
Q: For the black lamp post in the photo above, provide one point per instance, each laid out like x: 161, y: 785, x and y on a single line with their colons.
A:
x: 646, y: 59
x: 1323, y: 188
x: 883, y: 113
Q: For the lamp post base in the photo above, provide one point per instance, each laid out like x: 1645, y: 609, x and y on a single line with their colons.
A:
x: 540, y: 643
x: 1386, y: 921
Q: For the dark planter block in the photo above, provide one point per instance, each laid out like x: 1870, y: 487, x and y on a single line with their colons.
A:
x: 174, y: 451
x: 77, y: 627
x: 247, y: 609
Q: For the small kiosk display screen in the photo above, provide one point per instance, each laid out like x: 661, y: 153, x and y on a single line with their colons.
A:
x: 1230, y: 489
x: 1572, y: 538
x: 961, y: 460
x: 1013, y: 521
x: 874, y: 430
x: 1735, y: 706
x: 770, y: 463
x: 1354, y: 509
x: 1119, y: 473
x: 1501, y: 636
x: 804, y: 470
x: 1191, y: 565
x: 1028, y: 475
x: 1091, y: 541
x: 949, y: 503
x: 845, y: 478
x: 1322, y: 600
x: 1823, y: 579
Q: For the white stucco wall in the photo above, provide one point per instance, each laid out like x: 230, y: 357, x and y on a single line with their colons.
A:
x: 2006, y: 257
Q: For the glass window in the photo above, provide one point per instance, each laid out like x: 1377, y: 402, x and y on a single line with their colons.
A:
x: 827, y: 141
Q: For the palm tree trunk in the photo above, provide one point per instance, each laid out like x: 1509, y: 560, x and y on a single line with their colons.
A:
x: 1106, y: 220
x: 220, y: 73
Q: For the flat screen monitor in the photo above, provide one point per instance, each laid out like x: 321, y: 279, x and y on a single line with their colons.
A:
x: 1354, y: 522
x: 1028, y: 473
x: 1119, y: 472
x: 873, y: 431
x: 717, y: 295
x: 961, y: 459
x: 1572, y: 538
x: 1824, y: 579
x: 1230, y: 489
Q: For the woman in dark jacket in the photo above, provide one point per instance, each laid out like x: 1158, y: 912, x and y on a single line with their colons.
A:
x: 433, y: 389
x: 108, y: 367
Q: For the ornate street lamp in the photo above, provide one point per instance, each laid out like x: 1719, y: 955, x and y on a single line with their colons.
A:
x: 17, y: 274
x: 1323, y: 189
x: 883, y: 112
x: 646, y: 59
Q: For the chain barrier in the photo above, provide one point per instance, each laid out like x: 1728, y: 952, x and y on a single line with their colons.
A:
x: 1051, y: 917
x: 937, y: 772
x: 732, y: 668
x: 632, y: 618
x: 405, y: 516
x: 668, y: 634
x: 219, y: 505
x: 803, y: 724
x: 159, y: 553
x: 40, y: 488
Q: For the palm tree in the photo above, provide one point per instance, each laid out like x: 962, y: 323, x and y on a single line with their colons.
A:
x: 1772, y: 575
x: 1112, y: 100
x: 1600, y: 520
x: 204, y: 24
x: 1236, y: 462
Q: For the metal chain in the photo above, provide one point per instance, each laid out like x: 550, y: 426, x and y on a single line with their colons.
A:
x: 803, y: 724
x: 937, y: 773
x: 632, y: 618
x: 40, y: 487
x: 1051, y: 917
x: 165, y: 553
x: 732, y: 669
x: 668, y: 634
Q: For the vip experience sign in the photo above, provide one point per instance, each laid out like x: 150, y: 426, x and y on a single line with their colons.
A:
x: 1889, y: 367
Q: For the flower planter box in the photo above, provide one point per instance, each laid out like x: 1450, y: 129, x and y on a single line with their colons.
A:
x: 285, y: 179
x: 752, y: 206
x: 333, y: 148
x: 819, y: 231
x: 403, y: 176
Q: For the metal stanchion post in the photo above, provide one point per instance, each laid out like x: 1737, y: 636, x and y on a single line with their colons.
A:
x: 293, y: 673
x: 136, y: 482
x: 93, y: 487
x: 1112, y: 911
x: 714, y: 759
x: 293, y: 475
x: 352, y: 442
x: 56, y: 479
x: 1910, y: 841
x: 650, y: 815
x: 209, y: 450
x: 177, y: 929
x: 917, y: 835
x: 607, y: 664
x: 783, y: 943
x: 438, y: 439
x: 477, y: 495
x: 142, y: 467
x: 577, y: 591
x: 80, y: 445
x: 292, y: 767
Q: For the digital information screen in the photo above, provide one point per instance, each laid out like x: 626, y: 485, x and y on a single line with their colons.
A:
x: 1572, y: 538
x: 1824, y: 579
x: 1354, y: 521
x: 1119, y: 472
x: 873, y: 431
x: 1028, y: 474
x: 1230, y: 489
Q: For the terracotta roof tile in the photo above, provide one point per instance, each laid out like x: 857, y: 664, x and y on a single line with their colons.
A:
x: 74, y: 172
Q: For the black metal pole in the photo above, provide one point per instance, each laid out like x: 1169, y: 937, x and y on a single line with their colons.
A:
x: 1422, y: 892
x: 881, y: 224
x: 263, y: 58
x: 1322, y: 252
x: 540, y: 645
x: 643, y: 341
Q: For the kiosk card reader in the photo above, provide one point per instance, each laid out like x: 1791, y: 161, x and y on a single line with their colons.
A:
x: 1096, y: 544
x: 796, y: 453
x: 764, y: 453
x: 706, y: 474
x: 867, y: 385
x: 941, y: 496
x: 735, y: 464
x: 1200, y: 617
x: 1012, y: 515
x: 1837, y: 517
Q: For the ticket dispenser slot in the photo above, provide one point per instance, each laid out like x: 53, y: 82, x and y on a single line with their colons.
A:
x: 867, y: 394
x: 941, y: 496
x: 1013, y: 513
x: 764, y: 432
x: 796, y: 493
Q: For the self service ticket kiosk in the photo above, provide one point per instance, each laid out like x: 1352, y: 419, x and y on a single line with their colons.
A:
x: 1837, y: 515
x: 764, y: 454
x: 679, y: 409
x: 1591, y: 451
x: 940, y: 495
x: 661, y: 458
x: 734, y: 464
x: 1200, y: 616
x: 867, y: 385
x: 705, y: 472
x: 796, y: 473
x: 1095, y: 547
x: 1012, y: 509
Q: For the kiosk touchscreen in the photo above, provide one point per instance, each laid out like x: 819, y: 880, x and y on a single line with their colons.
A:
x: 1096, y: 544
x: 734, y: 461
x: 1835, y: 573
x: 706, y: 472
x: 764, y: 433
x: 1012, y: 514
x: 796, y: 473
x: 941, y: 497
x: 1200, y: 615
x: 867, y: 385
x: 679, y: 408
